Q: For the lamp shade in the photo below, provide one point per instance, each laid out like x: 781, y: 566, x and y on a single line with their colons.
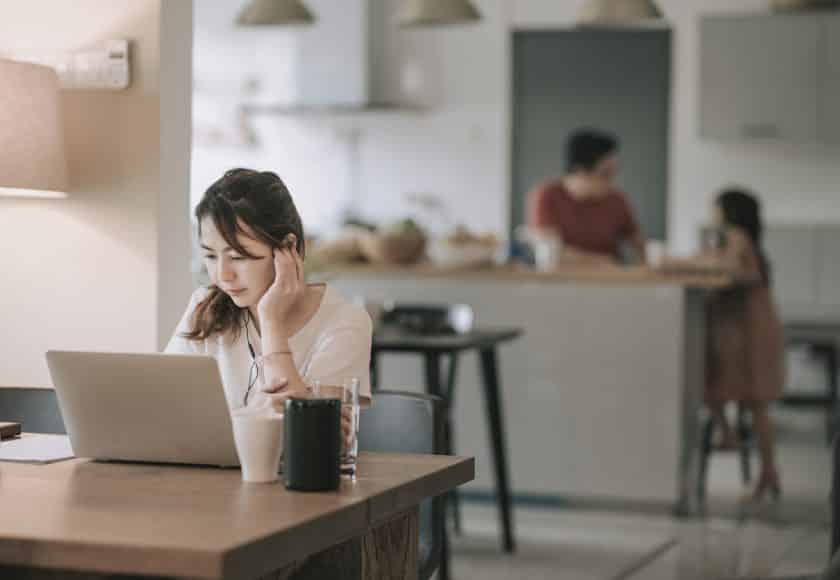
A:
x: 274, y: 13
x: 437, y: 12
x: 618, y: 11
x: 32, y: 159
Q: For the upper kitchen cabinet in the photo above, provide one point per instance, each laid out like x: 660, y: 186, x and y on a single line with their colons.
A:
x: 765, y: 77
x: 830, y: 90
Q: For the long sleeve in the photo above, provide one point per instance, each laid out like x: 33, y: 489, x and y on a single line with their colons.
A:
x: 343, y: 351
x: 177, y: 343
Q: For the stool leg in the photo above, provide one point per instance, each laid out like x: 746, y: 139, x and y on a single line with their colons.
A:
x: 745, y: 438
x: 831, y: 363
x: 493, y: 405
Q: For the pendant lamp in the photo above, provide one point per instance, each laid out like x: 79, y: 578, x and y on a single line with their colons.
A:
x: 275, y: 13
x: 437, y: 12
x: 618, y: 11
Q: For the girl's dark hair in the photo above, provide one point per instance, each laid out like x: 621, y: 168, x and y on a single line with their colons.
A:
x: 260, y: 201
x: 586, y: 148
x: 743, y: 209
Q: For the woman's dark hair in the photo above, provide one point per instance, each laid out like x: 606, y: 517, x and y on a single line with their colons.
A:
x: 586, y: 148
x: 743, y: 210
x: 260, y: 201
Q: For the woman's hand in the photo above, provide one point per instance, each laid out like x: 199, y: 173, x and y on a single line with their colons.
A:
x: 286, y: 290
x: 280, y: 391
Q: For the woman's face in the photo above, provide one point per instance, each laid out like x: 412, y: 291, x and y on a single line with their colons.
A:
x: 242, y: 278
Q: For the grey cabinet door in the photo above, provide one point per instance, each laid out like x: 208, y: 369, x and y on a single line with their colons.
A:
x: 830, y: 81
x: 828, y: 273
x: 759, y: 77
x: 793, y: 255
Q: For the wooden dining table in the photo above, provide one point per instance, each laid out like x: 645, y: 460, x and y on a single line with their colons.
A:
x: 86, y: 520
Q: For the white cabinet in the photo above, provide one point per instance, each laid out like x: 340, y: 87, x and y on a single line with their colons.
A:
x: 792, y: 251
x: 806, y: 269
x: 764, y: 77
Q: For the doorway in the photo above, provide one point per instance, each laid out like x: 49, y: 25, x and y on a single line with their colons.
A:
x: 617, y: 81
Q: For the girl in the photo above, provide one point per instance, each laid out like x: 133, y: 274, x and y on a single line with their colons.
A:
x: 258, y: 318
x: 745, y: 354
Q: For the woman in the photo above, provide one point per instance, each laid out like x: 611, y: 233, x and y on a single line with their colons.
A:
x: 584, y: 208
x: 272, y: 334
x: 745, y: 354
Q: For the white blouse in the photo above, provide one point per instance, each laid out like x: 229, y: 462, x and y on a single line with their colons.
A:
x: 333, y: 346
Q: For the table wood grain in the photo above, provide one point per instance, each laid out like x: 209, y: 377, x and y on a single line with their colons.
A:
x: 192, y: 522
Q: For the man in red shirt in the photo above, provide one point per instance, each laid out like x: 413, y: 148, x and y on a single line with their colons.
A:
x: 583, y: 207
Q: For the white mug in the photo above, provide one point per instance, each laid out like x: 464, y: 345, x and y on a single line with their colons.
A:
x: 258, y: 435
x: 655, y: 250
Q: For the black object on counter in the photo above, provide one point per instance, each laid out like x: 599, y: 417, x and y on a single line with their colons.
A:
x: 312, y: 444
x: 9, y: 430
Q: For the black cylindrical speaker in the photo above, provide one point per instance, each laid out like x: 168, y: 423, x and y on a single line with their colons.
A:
x: 312, y: 444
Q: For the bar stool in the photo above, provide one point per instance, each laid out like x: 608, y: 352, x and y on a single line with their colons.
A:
x: 743, y: 428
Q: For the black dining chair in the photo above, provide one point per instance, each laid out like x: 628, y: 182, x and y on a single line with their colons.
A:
x: 401, y: 422
x: 433, y: 319
x: 35, y: 409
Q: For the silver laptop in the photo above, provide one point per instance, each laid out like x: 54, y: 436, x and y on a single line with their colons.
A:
x: 161, y: 408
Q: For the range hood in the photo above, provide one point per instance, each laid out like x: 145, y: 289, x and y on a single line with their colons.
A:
x: 333, y: 65
x: 340, y: 59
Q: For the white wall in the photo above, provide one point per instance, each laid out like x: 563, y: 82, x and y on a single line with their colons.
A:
x: 460, y: 148
x: 82, y: 273
x: 456, y: 150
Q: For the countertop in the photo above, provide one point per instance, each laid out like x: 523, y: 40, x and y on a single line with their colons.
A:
x: 601, y: 275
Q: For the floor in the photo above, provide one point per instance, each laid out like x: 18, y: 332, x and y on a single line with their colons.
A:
x: 731, y: 541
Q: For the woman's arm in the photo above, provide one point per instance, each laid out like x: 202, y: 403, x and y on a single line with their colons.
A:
x: 280, y: 375
x: 727, y: 260
x: 342, y: 350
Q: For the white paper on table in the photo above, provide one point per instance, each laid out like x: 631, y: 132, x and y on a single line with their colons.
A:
x: 34, y: 448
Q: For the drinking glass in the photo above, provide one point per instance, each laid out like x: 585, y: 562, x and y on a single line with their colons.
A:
x: 350, y: 406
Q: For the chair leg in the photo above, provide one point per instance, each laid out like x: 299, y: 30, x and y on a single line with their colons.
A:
x: 705, y: 451
x: 443, y: 569
x: 454, y: 498
x: 831, y: 363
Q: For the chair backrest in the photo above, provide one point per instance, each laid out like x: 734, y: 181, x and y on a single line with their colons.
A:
x: 835, y: 497
x: 401, y: 422
x: 430, y: 318
x: 36, y: 409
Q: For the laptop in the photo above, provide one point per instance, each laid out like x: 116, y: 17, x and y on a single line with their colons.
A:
x: 159, y: 408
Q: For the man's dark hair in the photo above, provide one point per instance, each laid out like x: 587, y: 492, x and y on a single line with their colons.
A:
x: 586, y: 148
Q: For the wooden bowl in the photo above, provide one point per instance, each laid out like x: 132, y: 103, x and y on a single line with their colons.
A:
x: 404, y: 248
